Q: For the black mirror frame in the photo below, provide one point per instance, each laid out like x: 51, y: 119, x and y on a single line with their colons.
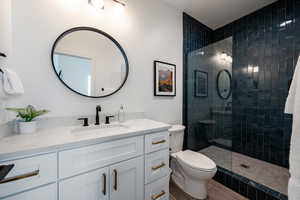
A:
x: 217, y: 86
x: 99, y: 32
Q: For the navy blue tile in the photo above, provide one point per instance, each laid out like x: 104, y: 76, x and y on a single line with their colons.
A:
x: 259, y: 127
x: 252, y: 193
x: 247, y: 187
x: 243, y: 189
x: 264, y: 38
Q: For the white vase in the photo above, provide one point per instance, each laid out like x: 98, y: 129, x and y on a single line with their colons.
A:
x: 27, y: 127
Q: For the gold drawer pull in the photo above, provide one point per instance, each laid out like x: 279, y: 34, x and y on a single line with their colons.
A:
x: 116, y: 180
x: 159, y: 142
x: 154, y: 197
x: 159, y: 166
x: 23, y: 176
x: 104, y: 184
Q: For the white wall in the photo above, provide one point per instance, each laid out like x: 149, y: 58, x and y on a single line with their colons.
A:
x: 5, y: 45
x: 147, y: 30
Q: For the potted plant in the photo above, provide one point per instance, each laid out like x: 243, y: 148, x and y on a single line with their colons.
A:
x: 27, y: 124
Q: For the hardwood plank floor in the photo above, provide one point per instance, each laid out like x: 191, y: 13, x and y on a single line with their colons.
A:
x: 216, y: 191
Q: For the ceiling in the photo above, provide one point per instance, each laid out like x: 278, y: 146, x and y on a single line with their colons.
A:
x: 217, y: 13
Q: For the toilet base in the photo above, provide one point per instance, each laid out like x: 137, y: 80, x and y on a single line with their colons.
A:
x: 194, y: 188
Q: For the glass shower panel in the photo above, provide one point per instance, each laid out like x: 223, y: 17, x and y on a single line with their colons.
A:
x: 209, y: 115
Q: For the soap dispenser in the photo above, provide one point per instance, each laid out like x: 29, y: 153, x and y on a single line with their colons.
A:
x: 121, y: 114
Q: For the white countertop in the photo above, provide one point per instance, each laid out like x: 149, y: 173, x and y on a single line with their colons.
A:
x: 51, y: 140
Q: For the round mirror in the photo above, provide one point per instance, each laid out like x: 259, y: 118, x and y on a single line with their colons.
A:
x: 224, y: 84
x: 90, y: 62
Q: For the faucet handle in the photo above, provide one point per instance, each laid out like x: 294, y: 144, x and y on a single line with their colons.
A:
x: 85, y: 121
x: 107, y: 119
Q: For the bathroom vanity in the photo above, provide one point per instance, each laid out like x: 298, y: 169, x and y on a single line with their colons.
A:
x: 128, y: 161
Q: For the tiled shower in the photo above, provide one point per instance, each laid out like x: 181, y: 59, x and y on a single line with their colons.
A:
x: 265, y: 48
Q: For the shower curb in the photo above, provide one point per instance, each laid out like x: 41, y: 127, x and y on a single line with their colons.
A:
x: 247, y: 187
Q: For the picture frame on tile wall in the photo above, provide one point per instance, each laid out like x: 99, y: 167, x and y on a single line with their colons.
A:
x: 164, y: 79
x: 201, y: 83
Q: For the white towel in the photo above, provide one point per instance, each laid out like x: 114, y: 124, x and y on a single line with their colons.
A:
x: 293, y: 107
x: 3, y: 95
x: 294, y: 191
x: 12, y: 85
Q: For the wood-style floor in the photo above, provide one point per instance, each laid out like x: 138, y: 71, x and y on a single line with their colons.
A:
x: 216, y: 191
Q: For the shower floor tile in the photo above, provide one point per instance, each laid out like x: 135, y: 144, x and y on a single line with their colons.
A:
x: 270, y: 175
x: 216, y: 191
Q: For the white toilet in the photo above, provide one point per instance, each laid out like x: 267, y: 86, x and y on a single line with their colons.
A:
x: 191, y: 170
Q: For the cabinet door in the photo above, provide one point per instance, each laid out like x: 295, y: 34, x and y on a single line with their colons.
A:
x: 89, y: 186
x: 127, y: 180
x: 44, y: 193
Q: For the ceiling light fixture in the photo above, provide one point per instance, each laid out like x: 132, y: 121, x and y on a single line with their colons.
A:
x: 98, y: 4
x: 121, y: 2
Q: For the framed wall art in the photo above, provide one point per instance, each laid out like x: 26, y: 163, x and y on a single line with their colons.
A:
x: 164, y: 79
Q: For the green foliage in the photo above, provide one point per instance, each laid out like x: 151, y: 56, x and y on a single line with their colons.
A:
x: 29, y: 113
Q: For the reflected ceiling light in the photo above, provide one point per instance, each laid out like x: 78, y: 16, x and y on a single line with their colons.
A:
x: 224, y: 56
x: 283, y: 24
x: 98, y: 4
x: 252, y: 68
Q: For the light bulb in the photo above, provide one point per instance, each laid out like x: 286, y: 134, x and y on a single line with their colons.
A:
x: 223, y: 56
x: 119, y: 9
x: 98, y: 4
x: 256, y: 69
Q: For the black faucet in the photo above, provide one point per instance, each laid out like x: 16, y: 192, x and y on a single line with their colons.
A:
x: 85, y: 121
x: 98, y: 109
x: 107, y: 119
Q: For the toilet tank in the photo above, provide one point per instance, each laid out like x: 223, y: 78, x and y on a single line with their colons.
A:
x: 176, y: 138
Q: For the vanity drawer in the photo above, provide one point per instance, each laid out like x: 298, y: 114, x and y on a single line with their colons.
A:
x: 76, y: 161
x: 29, y: 173
x: 158, y: 190
x: 156, y: 142
x: 48, y: 192
x: 156, y: 165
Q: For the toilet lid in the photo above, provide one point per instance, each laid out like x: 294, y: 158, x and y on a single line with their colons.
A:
x: 196, y: 160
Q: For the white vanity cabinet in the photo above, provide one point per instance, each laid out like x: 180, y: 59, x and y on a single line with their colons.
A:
x: 157, y: 172
x: 127, y: 180
x: 92, y: 185
x: 131, y: 168
x: 44, y: 193
x: 123, y: 181
x: 80, y: 160
x: 29, y: 173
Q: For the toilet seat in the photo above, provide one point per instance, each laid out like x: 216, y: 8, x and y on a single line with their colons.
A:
x: 196, y: 161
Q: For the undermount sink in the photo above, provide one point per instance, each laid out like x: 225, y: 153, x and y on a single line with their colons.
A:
x: 100, y: 128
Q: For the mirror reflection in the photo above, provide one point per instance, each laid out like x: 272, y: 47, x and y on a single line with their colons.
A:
x: 224, y: 84
x: 90, y: 62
